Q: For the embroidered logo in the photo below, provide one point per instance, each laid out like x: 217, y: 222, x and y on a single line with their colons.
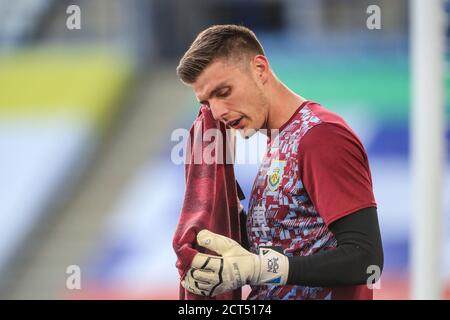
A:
x: 275, y: 174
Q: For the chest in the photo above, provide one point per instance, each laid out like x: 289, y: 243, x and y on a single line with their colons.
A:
x: 279, y: 174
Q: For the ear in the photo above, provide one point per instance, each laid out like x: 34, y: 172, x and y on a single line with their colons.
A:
x: 261, y: 67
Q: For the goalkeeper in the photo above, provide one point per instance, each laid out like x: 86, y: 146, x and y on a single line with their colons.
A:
x: 312, y: 228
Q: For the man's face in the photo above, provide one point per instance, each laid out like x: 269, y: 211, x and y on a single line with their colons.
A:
x: 234, y: 95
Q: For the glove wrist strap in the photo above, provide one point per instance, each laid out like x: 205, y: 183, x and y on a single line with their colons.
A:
x: 273, y: 268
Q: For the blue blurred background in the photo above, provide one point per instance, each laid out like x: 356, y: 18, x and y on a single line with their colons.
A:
x: 86, y: 117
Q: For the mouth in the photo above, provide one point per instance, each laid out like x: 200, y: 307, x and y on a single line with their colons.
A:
x: 235, y: 123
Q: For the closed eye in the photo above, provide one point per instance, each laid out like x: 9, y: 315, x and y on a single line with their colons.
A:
x: 223, y: 93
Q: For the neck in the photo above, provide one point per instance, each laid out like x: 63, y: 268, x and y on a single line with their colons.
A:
x: 282, y: 105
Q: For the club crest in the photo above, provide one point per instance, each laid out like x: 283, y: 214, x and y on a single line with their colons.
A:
x: 275, y: 174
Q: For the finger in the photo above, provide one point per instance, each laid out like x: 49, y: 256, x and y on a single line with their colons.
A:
x: 195, y: 287
x: 205, y: 276
x: 191, y: 276
x: 207, y: 262
x: 200, y: 287
x: 203, y: 286
x: 197, y: 291
x: 215, y: 242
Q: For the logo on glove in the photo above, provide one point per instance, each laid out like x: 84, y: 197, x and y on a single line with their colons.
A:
x: 272, y: 265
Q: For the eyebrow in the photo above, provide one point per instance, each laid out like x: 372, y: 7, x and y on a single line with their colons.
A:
x: 214, y: 91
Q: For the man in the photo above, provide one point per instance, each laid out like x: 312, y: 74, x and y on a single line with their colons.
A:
x: 312, y: 224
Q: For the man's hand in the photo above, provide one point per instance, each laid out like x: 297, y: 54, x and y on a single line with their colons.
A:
x: 212, y: 275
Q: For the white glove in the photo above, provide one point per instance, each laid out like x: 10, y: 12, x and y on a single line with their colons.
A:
x: 212, y: 275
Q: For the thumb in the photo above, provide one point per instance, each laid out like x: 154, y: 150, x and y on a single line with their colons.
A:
x: 215, y: 242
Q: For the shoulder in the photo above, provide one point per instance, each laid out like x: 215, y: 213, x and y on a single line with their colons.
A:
x: 330, y: 131
x: 324, y: 114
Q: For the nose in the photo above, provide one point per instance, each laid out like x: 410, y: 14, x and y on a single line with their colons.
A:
x: 219, y: 112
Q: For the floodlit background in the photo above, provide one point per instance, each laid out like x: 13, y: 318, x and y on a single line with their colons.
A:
x: 86, y: 118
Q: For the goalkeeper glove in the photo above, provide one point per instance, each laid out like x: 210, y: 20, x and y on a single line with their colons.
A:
x: 211, y: 275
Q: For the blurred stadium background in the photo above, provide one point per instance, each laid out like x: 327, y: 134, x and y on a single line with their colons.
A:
x: 86, y: 118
